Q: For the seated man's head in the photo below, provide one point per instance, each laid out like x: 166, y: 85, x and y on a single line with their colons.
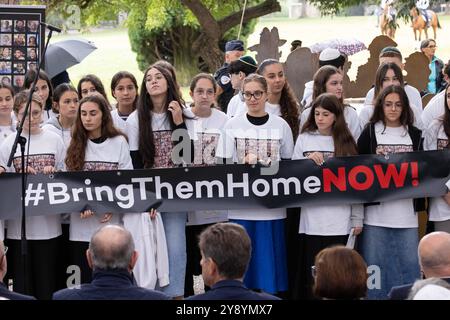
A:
x: 434, y: 255
x: 112, y: 248
x: 226, y: 249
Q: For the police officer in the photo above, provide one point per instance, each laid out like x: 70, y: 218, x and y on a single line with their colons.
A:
x: 234, y: 49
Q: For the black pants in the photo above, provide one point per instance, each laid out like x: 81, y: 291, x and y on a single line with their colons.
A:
x: 63, y: 257
x: 310, y: 246
x: 78, y: 258
x: 38, y: 278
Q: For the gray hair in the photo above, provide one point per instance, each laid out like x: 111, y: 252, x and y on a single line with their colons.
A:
x: 419, y: 284
x: 111, y: 247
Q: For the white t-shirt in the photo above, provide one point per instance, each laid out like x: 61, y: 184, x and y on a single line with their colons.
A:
x: 47, y: 114
x: 436, y: 139
x: 206, y: 133
x: 242, y: 108
x: 308, y: 93
x: 272, y: 140
x: 46, y: 149
x: 162, y: 137
x: 415, y: 102
x: 321, y: 220
x: 112, y: 154
x: 118, y: 121
x: 396, y: 213
x: 236, y: 106
x: 435, y: 108
x: 350, y: 115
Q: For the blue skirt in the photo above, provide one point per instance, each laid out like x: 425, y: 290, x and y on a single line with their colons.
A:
x: 267, y: 270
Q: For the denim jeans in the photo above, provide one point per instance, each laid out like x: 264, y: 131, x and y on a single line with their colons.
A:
x: 394, y: 252
x: 175, y: 229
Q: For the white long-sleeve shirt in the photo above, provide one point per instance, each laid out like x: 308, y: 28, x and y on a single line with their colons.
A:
x: 150, y: 242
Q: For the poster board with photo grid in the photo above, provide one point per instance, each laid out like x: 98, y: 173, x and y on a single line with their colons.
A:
x: 22, y: 40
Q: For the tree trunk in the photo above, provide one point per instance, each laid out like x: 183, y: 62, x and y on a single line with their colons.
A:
x: 185, y: 59
x: 211, y: 54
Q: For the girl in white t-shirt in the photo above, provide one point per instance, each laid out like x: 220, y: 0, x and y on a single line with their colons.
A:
x: 436, y: 138
x: 96, y: 146
x: 124, y: 89
x: 46, y: 155
x: 329, y: 79
x: 207, y: 123
x: 159, y: 113
x: 324, y: 135
x: 390, y: 237
x: 389, y: 73
x: 259, y: 136
x: 281, y: 100
x: 7, y: 124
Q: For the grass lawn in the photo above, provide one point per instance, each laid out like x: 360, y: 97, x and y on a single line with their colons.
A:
x: 114, y: 52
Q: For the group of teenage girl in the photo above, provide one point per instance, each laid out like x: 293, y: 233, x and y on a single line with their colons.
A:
x: 76, y: 129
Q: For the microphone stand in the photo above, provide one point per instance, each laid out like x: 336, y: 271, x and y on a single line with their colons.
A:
x: 22, y: 141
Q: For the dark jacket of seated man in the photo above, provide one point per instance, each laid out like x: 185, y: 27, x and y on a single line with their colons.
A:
x: 232, y: 290
x: 109, y: 285
x: 402, y: 292
x: 10, y: 295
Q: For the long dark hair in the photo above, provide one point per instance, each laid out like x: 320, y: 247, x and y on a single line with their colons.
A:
x: 77, y: 149
x: 344, y: 144
x: 321, y: 78
x: 288, y: 103
x: 446, y: 120
x: 381, y: 74
x: 92, y: 78
x: 407, y: 115
x: 144, y: 108
x: 124, y: 75
x: 28, y: 81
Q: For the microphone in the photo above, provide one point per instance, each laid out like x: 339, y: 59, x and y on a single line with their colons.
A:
x: 50, y: 27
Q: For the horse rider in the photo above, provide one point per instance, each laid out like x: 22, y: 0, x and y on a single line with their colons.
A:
x: 391, y: 11
x: 423, y: 5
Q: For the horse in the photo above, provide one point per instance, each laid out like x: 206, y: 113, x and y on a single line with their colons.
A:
x: 387, y: 26
x: 419, y: 24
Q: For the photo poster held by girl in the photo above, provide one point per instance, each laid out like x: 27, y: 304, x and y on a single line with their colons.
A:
x: 22, y: 40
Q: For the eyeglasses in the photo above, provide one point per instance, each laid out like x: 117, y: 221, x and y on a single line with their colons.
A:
x: 432, y: 47
x: 34, y: 114
x: 257, y: 95
x: 313, y: 271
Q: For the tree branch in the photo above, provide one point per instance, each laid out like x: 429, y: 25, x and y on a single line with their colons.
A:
x: 209, y: 25
x: 262, y: 9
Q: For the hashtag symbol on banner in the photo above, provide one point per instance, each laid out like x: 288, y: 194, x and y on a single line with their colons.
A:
x: 34, y: 194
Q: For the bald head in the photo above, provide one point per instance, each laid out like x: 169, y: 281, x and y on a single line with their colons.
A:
x: 111, y: 247
x: 434, y: 254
